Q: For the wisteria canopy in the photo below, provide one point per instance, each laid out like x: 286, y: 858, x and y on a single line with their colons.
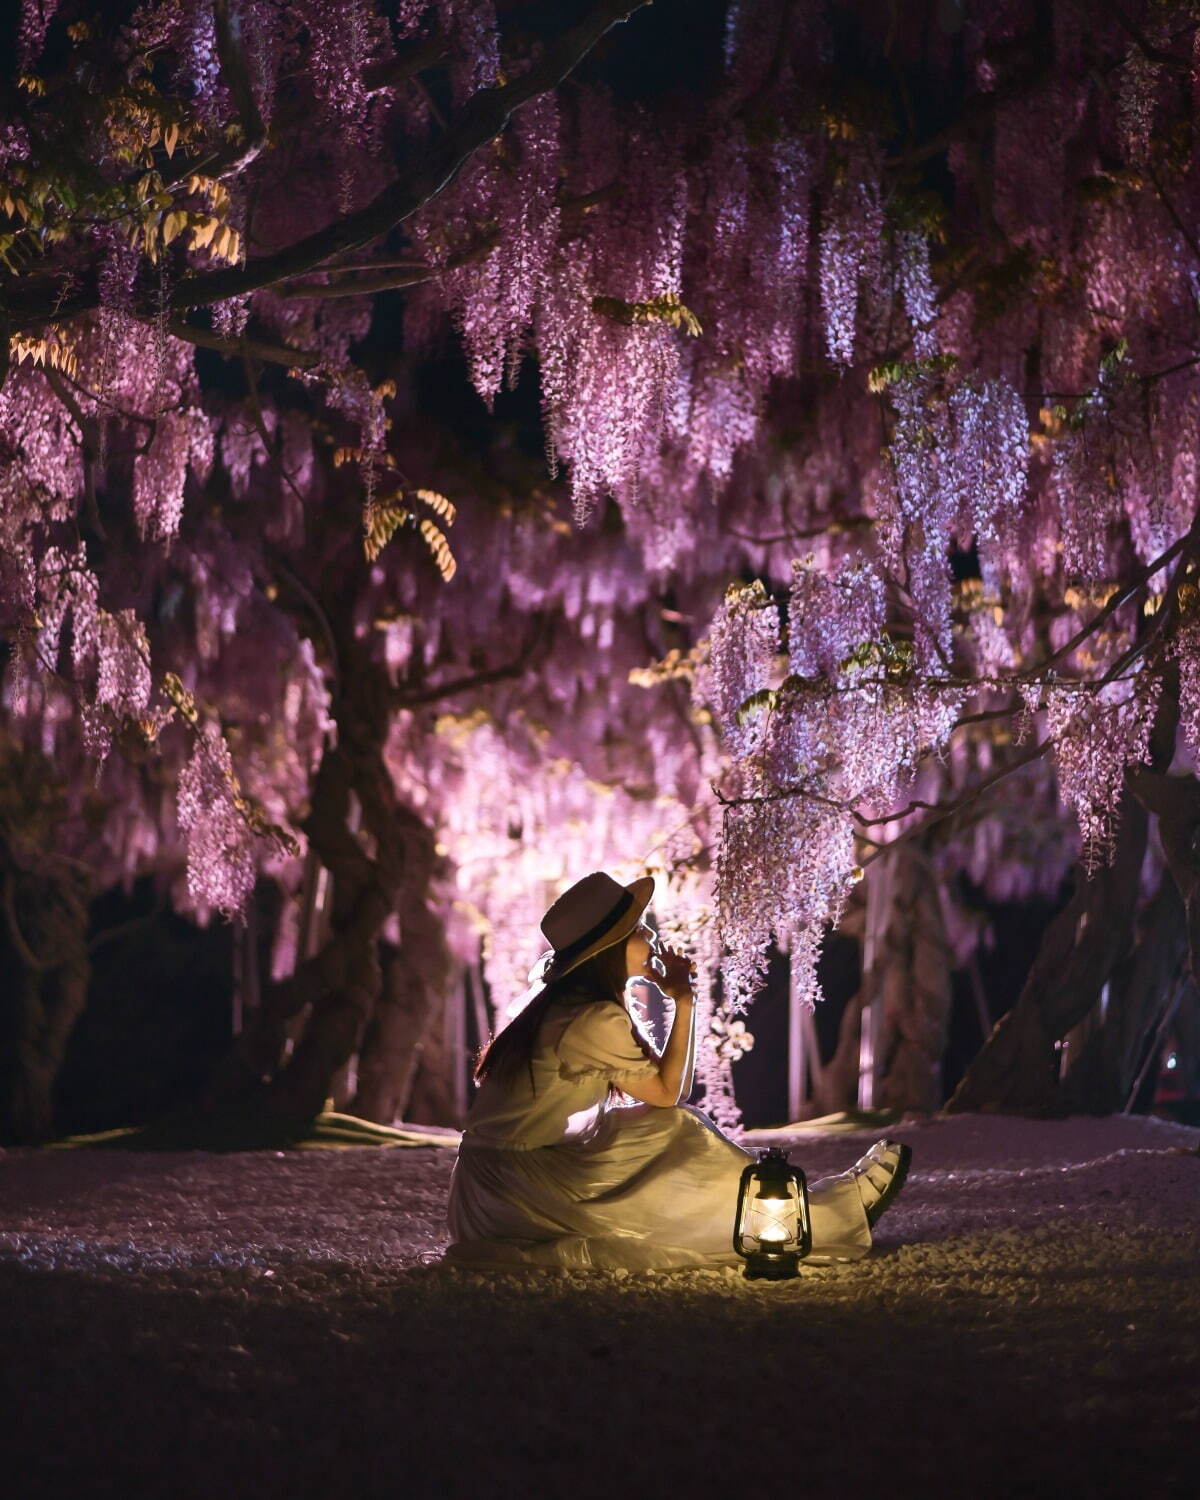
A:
x: 827, y: 498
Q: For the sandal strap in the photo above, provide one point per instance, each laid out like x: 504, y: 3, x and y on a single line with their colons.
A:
x: 879, y: 1174
x: 883, y: 1154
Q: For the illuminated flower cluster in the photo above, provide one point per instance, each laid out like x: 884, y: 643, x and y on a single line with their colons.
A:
x: 36, y: 16
x: 850, y: 254
x: 221, y: 855
x: 123, y: 681
x: 729, y: 1039
x: 742, y: 657
x: 988, y: 464
x: 740, y: 338
x: 917, y: 290
x: 1187, y: 650
x: 181, y: 440
x: 494, y: 296
x: 1096, y: 735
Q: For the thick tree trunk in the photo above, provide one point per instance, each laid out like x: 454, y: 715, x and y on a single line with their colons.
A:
x: 415, y: 980
x: 46, y: 974
x: 373, y: 869
x: 1187, y: 1039
x: 906, y: 974
x: 1175, y: 801
x: 434, y: 1099
x: 914, y: 987
x: 391, y: 1048
x: 1016, y: 1072
x: 835, y: 1088
x: 1099, y: 1080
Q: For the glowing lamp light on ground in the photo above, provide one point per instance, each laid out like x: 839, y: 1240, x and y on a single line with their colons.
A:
x: 773, y: 1231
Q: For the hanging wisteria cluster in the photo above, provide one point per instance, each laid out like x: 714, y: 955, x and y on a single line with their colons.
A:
x: 221, y: 862
x: 878, y: 424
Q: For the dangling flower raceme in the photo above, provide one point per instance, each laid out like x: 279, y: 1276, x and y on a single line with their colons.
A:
x: 1096, y: 735
x: 221, y: 854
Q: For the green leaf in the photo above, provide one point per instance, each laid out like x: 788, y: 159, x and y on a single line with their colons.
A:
x: 898, y: 371
x: 665, y: 309
x: 1115, y: 357
x: 762, y: 701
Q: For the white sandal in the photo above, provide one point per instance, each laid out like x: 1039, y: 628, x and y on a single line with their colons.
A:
x: 879, y: 1176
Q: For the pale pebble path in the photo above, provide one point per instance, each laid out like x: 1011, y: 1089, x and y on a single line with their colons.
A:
x: 264, y: 1325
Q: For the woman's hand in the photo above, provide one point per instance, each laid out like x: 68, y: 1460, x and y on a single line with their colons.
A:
x: 679, y: 975
x: 674, y: 973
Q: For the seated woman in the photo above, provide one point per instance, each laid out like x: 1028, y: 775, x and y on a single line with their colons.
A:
x: 554, y: 1171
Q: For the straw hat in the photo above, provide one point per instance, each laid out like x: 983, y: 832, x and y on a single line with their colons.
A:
x: 597, y: 912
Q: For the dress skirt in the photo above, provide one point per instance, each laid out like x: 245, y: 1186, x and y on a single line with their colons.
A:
x: 646, y: 1189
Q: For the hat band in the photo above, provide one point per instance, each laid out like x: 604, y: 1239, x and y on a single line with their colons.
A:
x: 572, y: 951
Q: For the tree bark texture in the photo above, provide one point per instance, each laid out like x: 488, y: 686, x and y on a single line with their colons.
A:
x: 46, y: 973
x: 1016, y: 1072
x: 416, y: 976
x: 1017, y: 1069
x: 378, y: 868
x: 44, y: 965
x: 433, y: 1100
x: 1175, y: 801
x: 480, y: 120
x: 912, y: 969
x: 1187, y: 1041
x: 835, y: 1087
x: 1112, y: 1049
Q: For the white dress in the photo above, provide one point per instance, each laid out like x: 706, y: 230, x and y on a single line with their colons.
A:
x: 554, y: 1171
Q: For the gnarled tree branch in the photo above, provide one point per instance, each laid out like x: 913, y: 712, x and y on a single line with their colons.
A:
x: 238, y: 154
x: 434, y: 693
x: 386, y: 279
x: 483, y: 118
x: 275, y: 354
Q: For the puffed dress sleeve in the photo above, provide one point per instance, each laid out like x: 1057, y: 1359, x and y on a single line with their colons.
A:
x: 600, y: 1042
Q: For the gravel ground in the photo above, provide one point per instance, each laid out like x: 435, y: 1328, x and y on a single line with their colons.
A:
x: 277, y: 1324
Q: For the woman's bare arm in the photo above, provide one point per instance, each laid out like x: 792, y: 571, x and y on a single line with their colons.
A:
x: 689, y: 1072
x: 675, y: 1066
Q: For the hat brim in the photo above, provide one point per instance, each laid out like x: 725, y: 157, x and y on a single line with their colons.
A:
x: 641, y: 890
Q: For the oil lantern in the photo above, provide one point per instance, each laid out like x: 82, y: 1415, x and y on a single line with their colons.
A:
x: 772, y: 1231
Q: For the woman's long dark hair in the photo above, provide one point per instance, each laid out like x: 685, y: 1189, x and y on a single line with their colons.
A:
x: 601, y: 977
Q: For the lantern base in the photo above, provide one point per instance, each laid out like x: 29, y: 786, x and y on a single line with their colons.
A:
x: 780, y: 1267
